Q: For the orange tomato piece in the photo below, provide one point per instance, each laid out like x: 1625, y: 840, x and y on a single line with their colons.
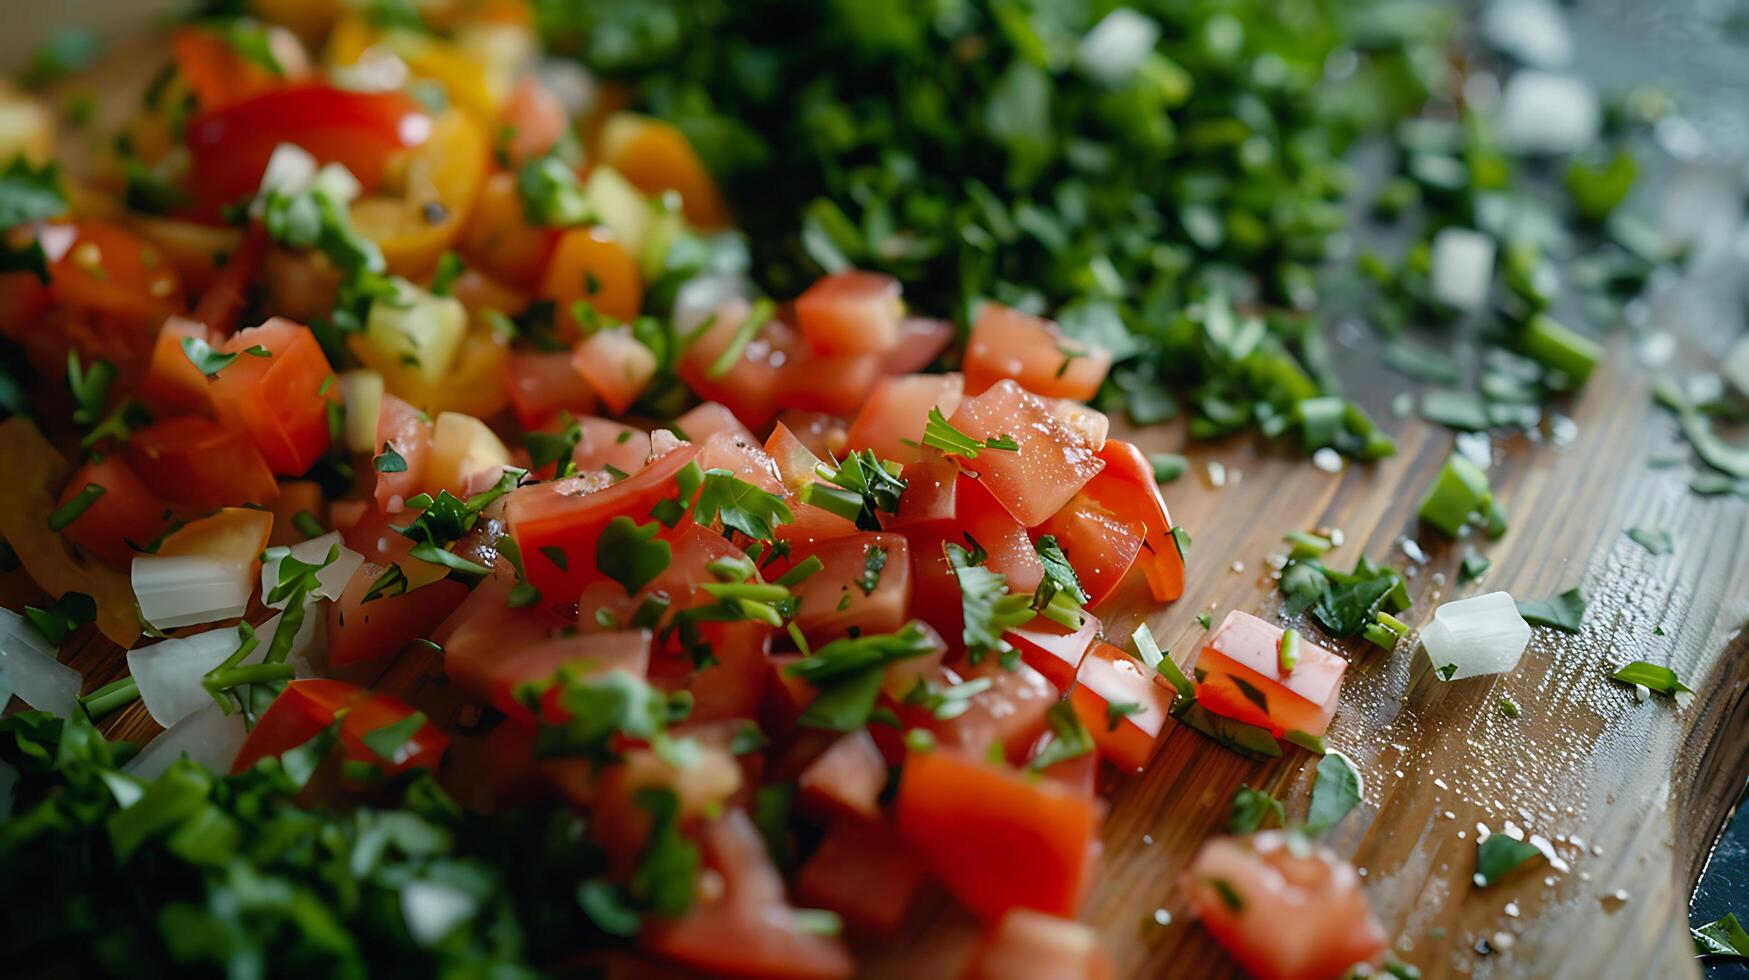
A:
x: 281, y: 400
x: 656, y: 157
x: 1006, y: 343
x: 1051, y: 465
x: 1239, y: 675
x: 125, y: 519
x: 1125, y: 488
x: 173, y: 385
x: 110, y: 273
x: 589, y: 266
x: 534, y: 119
x: 499, y: 239
x: 197, y: 461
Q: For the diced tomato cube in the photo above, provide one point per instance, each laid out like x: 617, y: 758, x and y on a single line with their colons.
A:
x: 498, y: 237
x: 1100, y: 546
x: 838, y: 384
x: 1239, y: 675
x: 587, y: 266
x: 997, y: 838
x: 483, y: 630
x: 733, y: 685
x: 408, y: 432
x: 706, y: 419
x: 533, y: 118
x: 1052, y: 650
x: 1126, y: 489
x: 742, y: 456
x: 556, y: 524
x: 1089, y: 423
x: 864, y: 871
x: 846, y: 778
x: 935, y: 586
x: 1028, y: 945
x: 1283, y: 909
x: 786, y: 696
x: 173, y: 385
x: 932, y: 483
x: 797, y: 466
x: 588, y: 653
x: 197, y: 461
x: 747, y: 383
x: 281, y: 400
x: 360, y: 630
x: 864, y: 584
x: 606, y: 443
x: 898, y: 409
x: 1011, y: 712
x: 851, y: 312
x: 541, y: 385
x: 921, y: 341
x: 1118, y: 701
x: 616, y: 366
x: 1006, y: 343
x: 306, y: 707
x: 126, y: 518
x: 1051, y: 465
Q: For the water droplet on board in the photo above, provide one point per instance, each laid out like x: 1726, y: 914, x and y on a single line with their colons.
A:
x: 1614, y: 900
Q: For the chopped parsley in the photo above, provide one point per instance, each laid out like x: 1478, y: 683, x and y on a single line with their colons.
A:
x: 988, y: 606
x: 1337, y: 791
x: 1498, y: 856
x: 939, y: 433
x: 1661, y: 680
x: 629, y: 553
x: 1563, y: 612
x: 1249, y: 810
x: 1067, y: 739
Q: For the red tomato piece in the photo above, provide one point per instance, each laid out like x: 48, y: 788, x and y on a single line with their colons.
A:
x: 556, y: 524
x: 359, y: 130
x: 749, y: 383
x: 408, y: 432
x: 125, y: 519
x: 173, y: 385
x: 1100, y: 546
x: 839, y: 597
x: 837, y: 384
x: 1006, y: 343
x: 1126, y: 489
x: 921, y: 341
x: 228, y: 292
x: 360, y: 630
x: 498, y: 237
x: 997, y: 838
x: 1011, y: 712
x: 482, y: 631
x: 823, y: 434
x: 898, y: 409
x: 932, y: 483
x: 306, y: 707
x: 1118, y: 701
x: 615, y: 365
x: 1052, y: 650
x: 707, y: 419
x: 534, y: 119
x: 851, y: 312
x: 846, y: 778
x: 1090, y: 424
x: 935, y: 589
x: 608, y: 443
x: 590, y: 653
x: 1240, y: 677
x: 1028, y: 945
x: 864, y: 871
x: 108, y: 272
x: 545, y: 384
x: 197, y: 461
x: 734, y: 685
x: 1283, y: 910
x: 281, y: 400
x: 219, y: 75
x: 750, y: 930
x: 1052, y: 463
x: 797, y: 466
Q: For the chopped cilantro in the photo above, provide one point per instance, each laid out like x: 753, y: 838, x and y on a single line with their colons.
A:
x: 1563, y: 612
x: 939, y: 433
x: 630, y: 553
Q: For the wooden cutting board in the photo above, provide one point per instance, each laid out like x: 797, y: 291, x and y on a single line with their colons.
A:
x: 1631, y: 794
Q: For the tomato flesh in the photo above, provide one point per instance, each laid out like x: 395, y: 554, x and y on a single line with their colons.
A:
x: 407, y: 431
x: 615, y: 365
x: 798, y: 466
x: 847, y: 778
x: 1052, y: 463
x: 1006, y: 343
x: 1100, y: 546
x: 1052, y: 650
x: 864, y: 871
x: 1239, y: 676
x: 173, y: 385
x: 1121, y: 705
x: 125, y: 519
x: 851, y: 312
x: 306, y: 707
x: 281, y: 400
x: 541, y: 385
x: 197, y: 461
x: 898, y: 409
x: 1028, y: 945
x: 360, y: 630
x: 864, y: 584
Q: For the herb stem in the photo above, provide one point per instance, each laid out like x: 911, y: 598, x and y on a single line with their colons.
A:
x: 110, y: 698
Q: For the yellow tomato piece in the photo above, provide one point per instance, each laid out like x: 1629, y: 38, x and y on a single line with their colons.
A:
x: 233, y: 534
x: 475, y: 385
x: 656, y: 157
x: 428, y: 57
x: 34, y: 474
x: 462, y: 449
x: 435, y: 189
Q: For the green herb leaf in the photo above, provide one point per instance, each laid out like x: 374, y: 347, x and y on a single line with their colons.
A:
x: 1563, y: 612
x: 1250, y: 808
x: 1067, y: 739
x: 386, y: 742
x: 1337, y: 791
x: 29, y: 193
x: 988, y: 606
x: 389, y: 461
x: 740, y: 505
x: 630, y: 553
x: 1661, y: 680
x: 1657, y: 542
x: 1722, y: 937
x: 66, y: 614
x: 939, y: 433
x: 1498, y: 856
x: 70, y: 511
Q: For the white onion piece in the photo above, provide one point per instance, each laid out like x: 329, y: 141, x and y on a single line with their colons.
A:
x: 32, y: 671
x: 169, y: 673
x: 290, y: 169
x: 1533, y: 31
x: 1483, y: 634
x: 330, y: 581
x: 1547, y: 113
x: 186, y: 590
x: 1463, y: 268
x: 208, y: 736
x: 431, y: 909
x: 702, y: 297
x: 1116, y: 46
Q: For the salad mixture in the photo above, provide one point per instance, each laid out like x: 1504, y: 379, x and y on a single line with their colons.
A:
x: 704, y: 416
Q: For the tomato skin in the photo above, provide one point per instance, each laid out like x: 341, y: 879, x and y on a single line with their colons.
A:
x: 1301, y: 913
x: 1100, y: 546
x: 921, y: 341
x: 1245, y: 650
x: 616, y: 366
x: 360, y: 631
x: 219, y: 76
x: 1006, y: 343
x: 833, y: 600
x: 655, y: 157
x: 851, y: 312
x: 822, y: 434
x: 751, y: 383
x: 1052, y: 650
x: 588, y: 266
x: 708, y: 419
x: 359, y: 130
x: 306, y: 707
x: 898, y: 409
x: 750, y: 930
x: 173, y: 385
x: 1125, y: 488
x: 565, y: 515
x: 279, y: 400
x: 847, y: 778
x: 864, y: 871
x: 409, y: 433
x: 1052, y: 463
x: 733, y: 686
x: 116, y: 277
x: 935, y: 588
x: 1025, y: 945
x: 127, y: 512
x: 1107, y: 677
x: 995, y: 837
x: 836, y: 384
x: 499, y: 239
x: 199, y: 462
x: 797, y: 466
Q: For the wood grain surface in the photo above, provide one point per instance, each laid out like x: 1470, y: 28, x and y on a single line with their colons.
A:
x: 1630, y: 794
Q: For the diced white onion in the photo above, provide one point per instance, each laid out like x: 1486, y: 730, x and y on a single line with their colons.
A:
x: 431, y: 909
x: 169, y: 673
x: 290, y: 169
x: 330, y: 581
x: 1533, y: 31
x: 208, y: 736
x: 32, y: 670
x: 185, y: 590
x: 1116, y: 46
x: 362, y: 392
x: 1480, y: 635
x: 1542, y: 112
x: 1463, y: 268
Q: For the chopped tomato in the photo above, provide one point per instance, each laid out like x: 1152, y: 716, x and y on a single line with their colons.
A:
x: 533, y: 118
x: 1118, y: 701
x: 1052, y: 463
x: 707, y: 419
x: 589, y: 267
x: 702, y: 786
x: 1099, y: 545
x: 1284, y: 909
x: 1240, y: 676
x: 197, y: 461
x: 109, y: 273
x: 932, y: 484
x: 1011, y: 712
x: 823, y: 434
x: 480, y: 291
x: 499, y: 238
x: 864, y: 871
x: 747, y: 383
x: 864, y: 585
x: 125, y: 519
x: 1006, y: 343
x: 218, y: 74
x: 359, y: 130
x: 921, y: 341
x: 1028, y: 945
x: 851, y: 312
x: 616, y: 365
x: 733, y: 686
x: 935, y: 588
x: 837, y: 384
x: 846, y: 778
x: 501, y: 679
x: 797, y: 466
x: 425, y: 200
x: 1052, y: 650
x: 306, y: 707
x: 750, y: 929
x: 606, y: 443
x: 786, y: 696
x: 227, y: 294
x: 282, y: 399
x: 898, y: 409
x: 483, y: 630
x: 237, y: 534
x: 655, y: 157
x: 1092, y: 425
x: 361, y: 629
x: 173, y: 385
x: 997, y: 838
x: 407, y: 431
x: 741, y: 456
x: 295, y: 496
x: 1125, y: 488
x: 556, y: 524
